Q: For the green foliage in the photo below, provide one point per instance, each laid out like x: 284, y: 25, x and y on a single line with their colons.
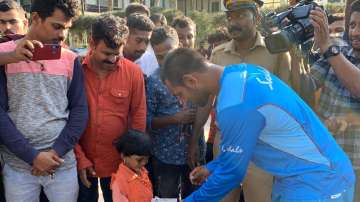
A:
x: 82, y: 24
x: 156, y: 10
x: 119, y: 13
x: 335, y: 8
x: 204, y: 24
x: 170, y: 14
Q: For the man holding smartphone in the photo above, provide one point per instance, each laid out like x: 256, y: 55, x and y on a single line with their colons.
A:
x: 44, y: 105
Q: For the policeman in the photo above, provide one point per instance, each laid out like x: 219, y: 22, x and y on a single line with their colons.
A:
x: 248, y: 46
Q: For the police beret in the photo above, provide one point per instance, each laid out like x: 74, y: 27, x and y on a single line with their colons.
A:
x: 232, y: 5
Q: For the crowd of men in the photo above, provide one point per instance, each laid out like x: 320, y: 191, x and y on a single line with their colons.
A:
x: 59, y: 119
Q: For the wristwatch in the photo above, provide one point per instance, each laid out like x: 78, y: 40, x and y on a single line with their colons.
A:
x: 333, y: 50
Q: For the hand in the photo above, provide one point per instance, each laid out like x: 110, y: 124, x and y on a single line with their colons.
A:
x: 84, y: 173
x: 193, y: 153
x: 186, y: 116
x: 199, y: 175
x: 321, y: 29
x: 24, y: 49
x: 37, y: 172
x: 337, y: 124
x: 47, y: 161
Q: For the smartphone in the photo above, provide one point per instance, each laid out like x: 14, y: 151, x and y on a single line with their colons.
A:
x: 48, y: 52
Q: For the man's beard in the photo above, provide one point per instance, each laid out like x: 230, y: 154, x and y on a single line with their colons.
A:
x: 238, y: 33
x: 8, y: 32
x: 357, y: 38
x: 109, y: 65
x: 202, y: 98
x: 135, y: 56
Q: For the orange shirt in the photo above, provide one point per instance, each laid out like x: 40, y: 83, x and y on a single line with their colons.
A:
x: 116, y: 103
x: 126, y: 185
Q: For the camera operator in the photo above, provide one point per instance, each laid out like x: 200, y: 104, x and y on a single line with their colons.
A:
x: 337, y: 73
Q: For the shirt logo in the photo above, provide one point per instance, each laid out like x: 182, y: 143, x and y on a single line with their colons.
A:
x: 267, y: 80
x: 232, y: 149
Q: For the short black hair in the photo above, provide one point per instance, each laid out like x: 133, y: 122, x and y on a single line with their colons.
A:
x: 220, y: 34
x: 180, y: 62
x: 160, y: 35
x: 45, y: 8
x: 136, y: 8
x: 134, y: 142
x: 355, y: 7
x: 158, y: 17
x: 140, y: 22
x: 7, y: 5
x: 182, y: 22
x: 111, y: 29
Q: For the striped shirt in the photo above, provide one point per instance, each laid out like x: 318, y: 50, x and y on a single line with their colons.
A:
x: 46, y: 104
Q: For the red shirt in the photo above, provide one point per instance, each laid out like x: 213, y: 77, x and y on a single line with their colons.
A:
x: 116, y: 103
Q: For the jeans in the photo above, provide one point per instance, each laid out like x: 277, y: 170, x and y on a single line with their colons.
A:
x: 166, y: 179
x: 91, y: 194
x: 346, y: 196
x: 23, y: 187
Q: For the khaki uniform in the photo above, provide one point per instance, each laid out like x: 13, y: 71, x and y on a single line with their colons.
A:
x: 278, y: 64
x: 257, y: 184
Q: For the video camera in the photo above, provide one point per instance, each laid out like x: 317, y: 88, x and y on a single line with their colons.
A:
x: 293, y: 27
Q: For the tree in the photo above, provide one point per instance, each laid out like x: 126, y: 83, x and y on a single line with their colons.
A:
x: 82, y: 7
x: 347, y: 15
x: 110, y: 5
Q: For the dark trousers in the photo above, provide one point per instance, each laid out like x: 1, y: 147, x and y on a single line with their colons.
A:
x: 43, y: 197
x: 167, y: 177
x: 209, y: 152
x: 91, y: 194
x: 2, y: 191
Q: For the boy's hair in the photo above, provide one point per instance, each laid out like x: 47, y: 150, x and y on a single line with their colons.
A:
x: 160, y: 35
x: 46, y: 8
x: 111, y: 29
x: 179, y: 62
x: 140, y: 22
x: 182, y: 22
x: 136, y: 8
x: 355, y: 7
x: 7, y: 5
x: 134, y: 142
x: 158, y: 17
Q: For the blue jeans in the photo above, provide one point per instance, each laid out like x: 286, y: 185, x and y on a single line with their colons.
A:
x: 346, y: 196
x: 91, y: 194
x: 24, y: 187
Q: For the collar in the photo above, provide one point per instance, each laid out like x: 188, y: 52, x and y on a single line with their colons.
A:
x: 259, y: 42
x: 131, y: 174
x: 86, y: 60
